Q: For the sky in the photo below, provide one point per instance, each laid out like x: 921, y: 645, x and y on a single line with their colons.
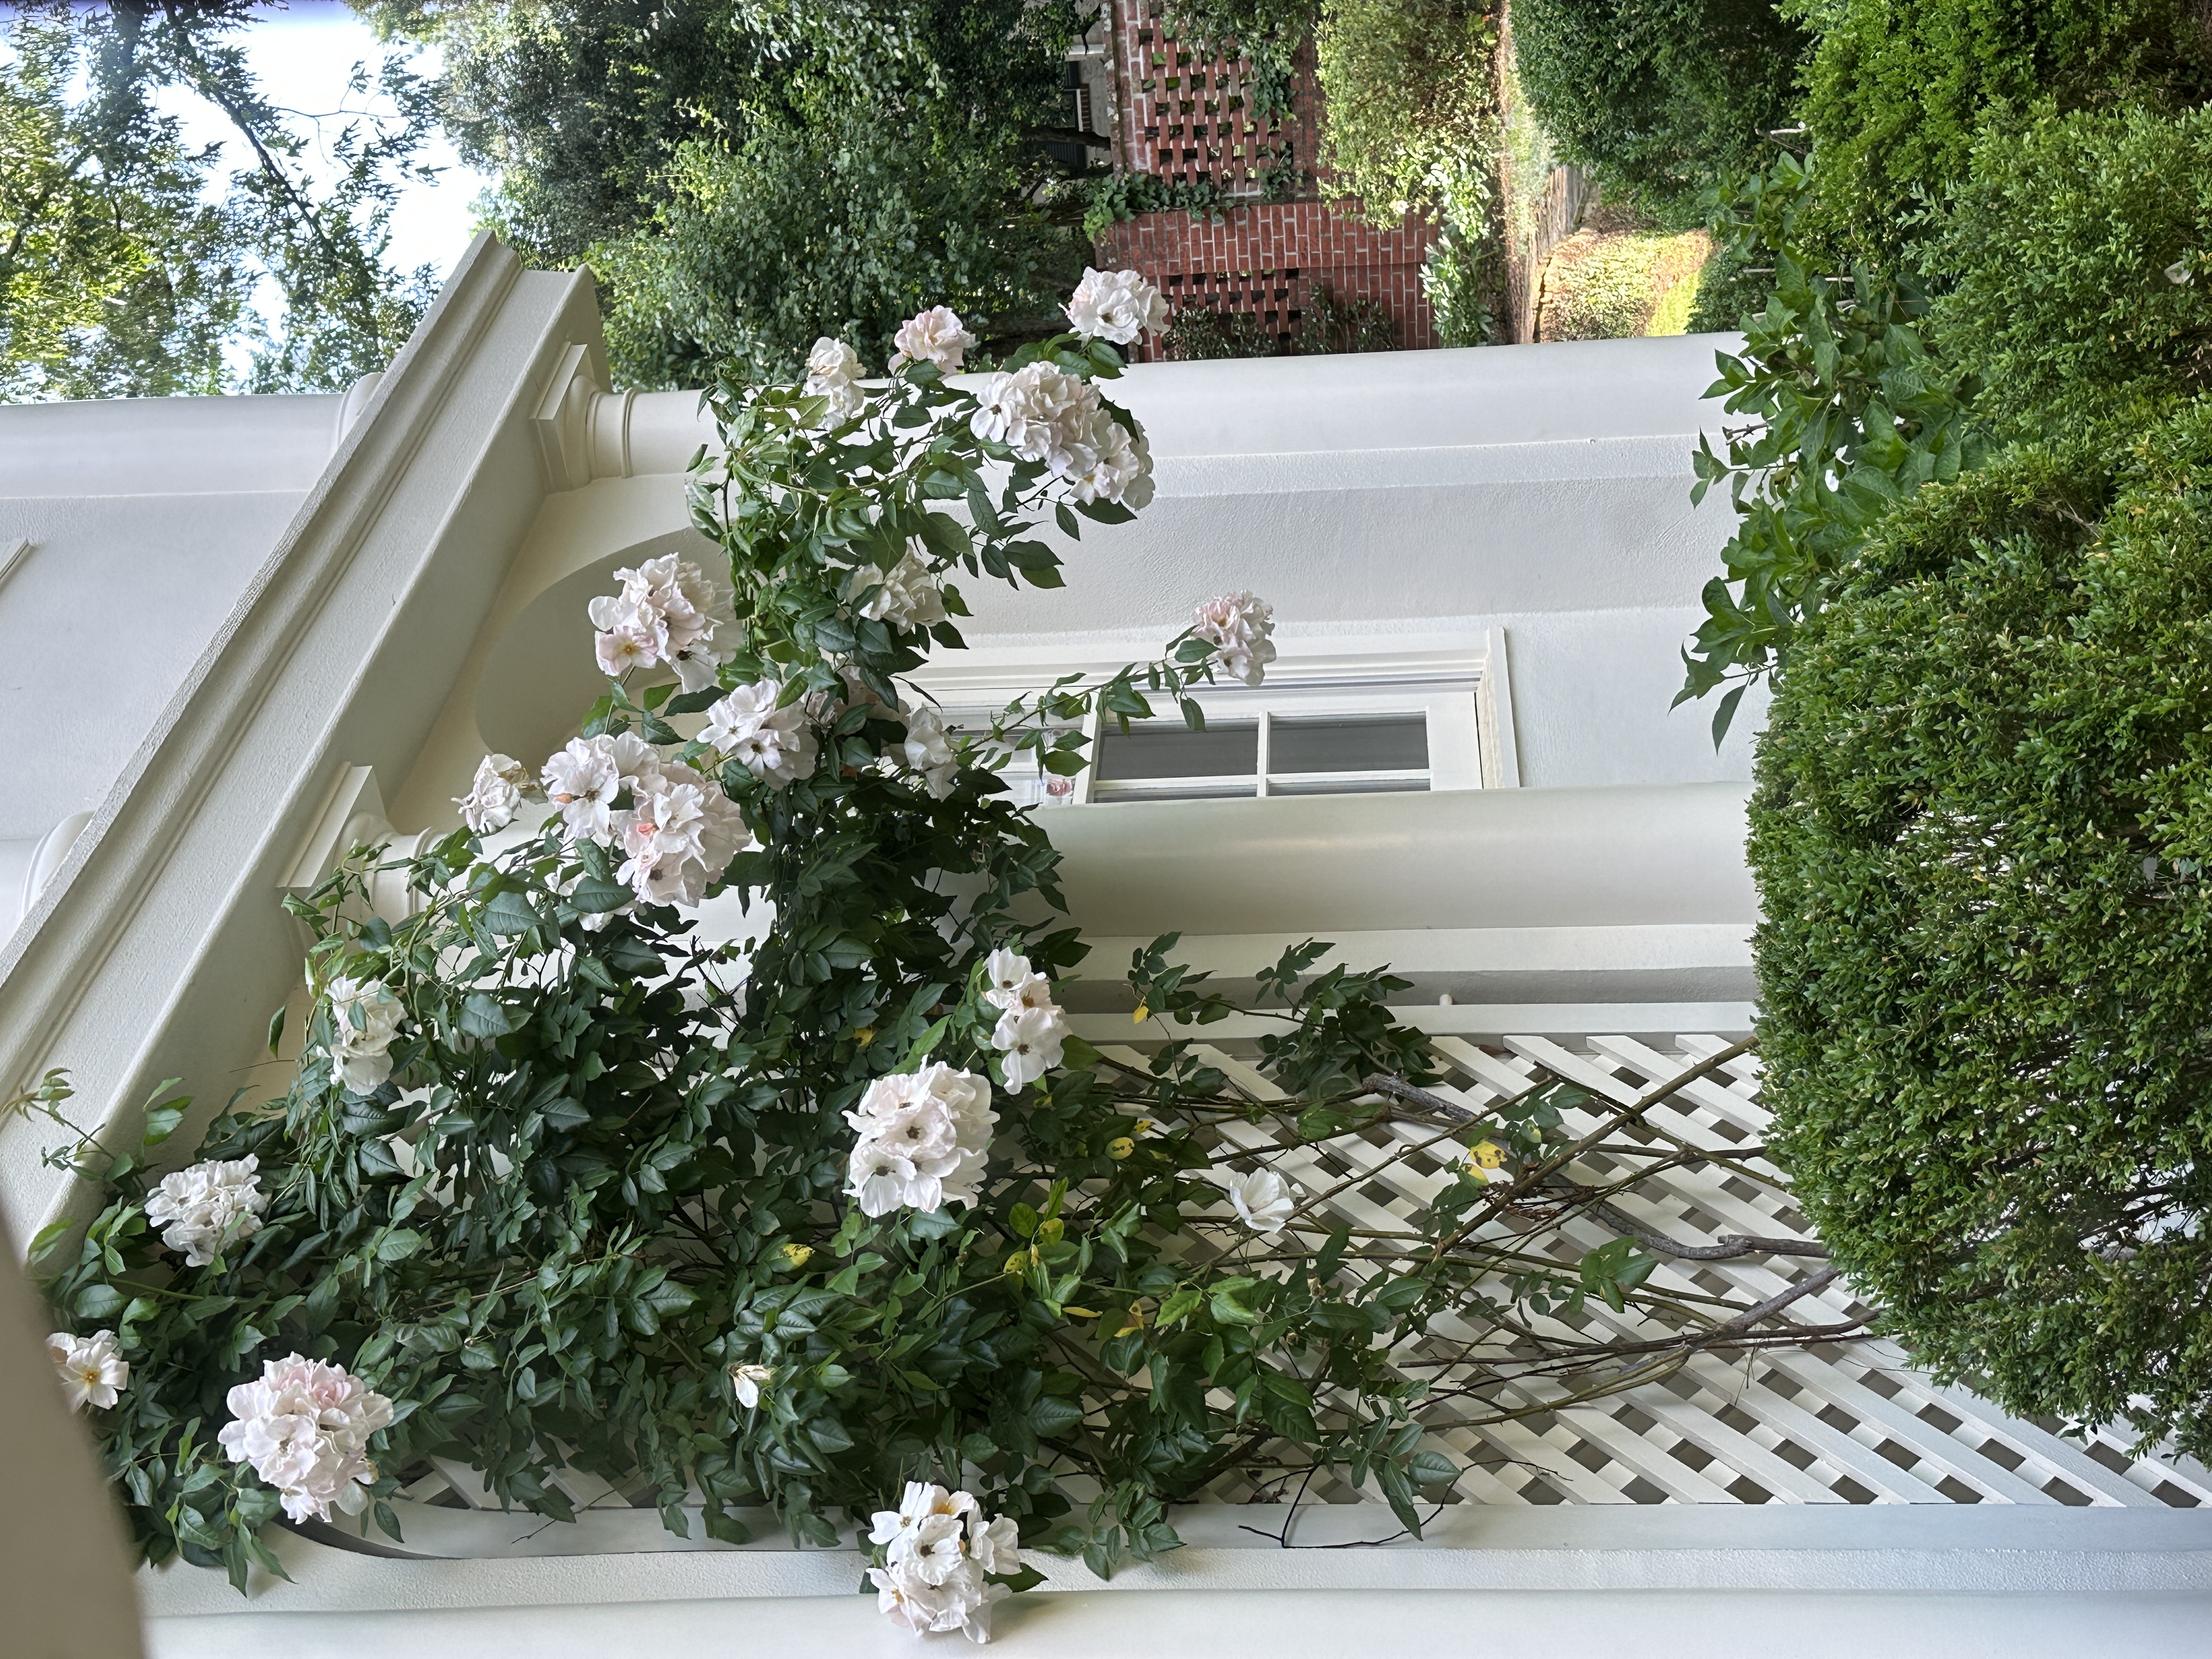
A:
x: 302, y: 58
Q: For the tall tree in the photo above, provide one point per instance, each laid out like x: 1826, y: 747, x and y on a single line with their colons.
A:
x: 746, y: 175
x: 131, y: 264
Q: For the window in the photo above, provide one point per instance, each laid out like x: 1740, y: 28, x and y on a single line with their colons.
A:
x: 1336, y: 724
x: 1288, y: 754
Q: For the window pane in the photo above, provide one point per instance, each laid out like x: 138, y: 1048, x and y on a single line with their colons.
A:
x: 1163, y: 751
x: 1384, y: 742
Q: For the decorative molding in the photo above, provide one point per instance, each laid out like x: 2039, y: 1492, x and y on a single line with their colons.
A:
x: 564, y: 421
x: 582, y: 429
x: 365, y: 603
x: 353, y: 403
x: 1493, y: 715
x: 11, y: 557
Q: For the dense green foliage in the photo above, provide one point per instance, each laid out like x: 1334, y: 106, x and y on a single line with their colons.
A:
x: 1413, y: 115
x: 127, y: 269
x: 746, y: 176
x: 1897, y: 95
x: 2076, y: 257
x: 834, y: 227
x: 1977, y: 829
x: 1984, y: 816
x: 577, y: 106
x: 606, y: 1179
x: 1847, y: 414
x: 1410, y: 86
x: 1659, y: 97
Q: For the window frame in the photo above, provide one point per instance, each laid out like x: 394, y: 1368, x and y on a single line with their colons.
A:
x: 1464, y: 695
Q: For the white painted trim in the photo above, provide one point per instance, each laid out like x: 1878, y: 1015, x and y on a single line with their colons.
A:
x: 1490, y: 1019
x: 1670, y: 1581
x: 342, y: 649
x: 1493, y: 715
x: 11, y: 557
x: 1197, y: 1624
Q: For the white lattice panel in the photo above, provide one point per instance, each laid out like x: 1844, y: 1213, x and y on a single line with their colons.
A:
x: 1842, y: 1424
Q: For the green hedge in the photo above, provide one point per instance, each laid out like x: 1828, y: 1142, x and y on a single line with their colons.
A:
x: 2058, y: 252
x: 1657, y: 97
x: 1897, y: 95
x: 1981, y: 828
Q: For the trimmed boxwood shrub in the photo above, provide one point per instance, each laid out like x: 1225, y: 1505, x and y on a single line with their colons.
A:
x: 2060, y: 253
x: 1896, y: 94
x: 1983, y: 834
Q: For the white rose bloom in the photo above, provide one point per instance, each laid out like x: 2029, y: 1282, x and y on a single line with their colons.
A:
x: 928, y: 750
x: 923, y: 1137
x: 305, y: 1426
x: 776, y: 744
x: 833, y: 371
x: 1031, y: 1028
x: 583, y: 781
x: 1116, y: 305
x: 746, y: 1381
x: 679, y: 836
x: 498, y: 792
x: 1110, y: 465
x: 908, y: 595
x: 1031, y: 1039
x: 366, y: 1016
x: 93, y: 1371
x: 1241, y: 630
x: 1006, y: 970
x: 669, y: 610
x: 992, y: 1545
x: 1038, y: 412
x: 202, y: 1211
x: 934, y: 337
x: 626, y: 638
x: 938, y: 1549
x: 1262, y: 1200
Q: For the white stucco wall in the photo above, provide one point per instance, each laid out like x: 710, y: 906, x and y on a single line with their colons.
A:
x: 147, y: 519
x: 1407, y: 501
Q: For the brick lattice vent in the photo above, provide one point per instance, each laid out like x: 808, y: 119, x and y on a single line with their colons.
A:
x: 1183, y: 115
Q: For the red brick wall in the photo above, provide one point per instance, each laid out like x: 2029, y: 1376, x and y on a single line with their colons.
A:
x: 1183, y: 116
x: 1269, y: 258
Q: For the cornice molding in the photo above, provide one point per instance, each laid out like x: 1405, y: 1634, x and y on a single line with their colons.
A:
x: 163, y: 919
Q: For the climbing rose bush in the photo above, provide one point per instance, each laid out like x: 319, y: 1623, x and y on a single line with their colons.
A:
x: 771, y: 1229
